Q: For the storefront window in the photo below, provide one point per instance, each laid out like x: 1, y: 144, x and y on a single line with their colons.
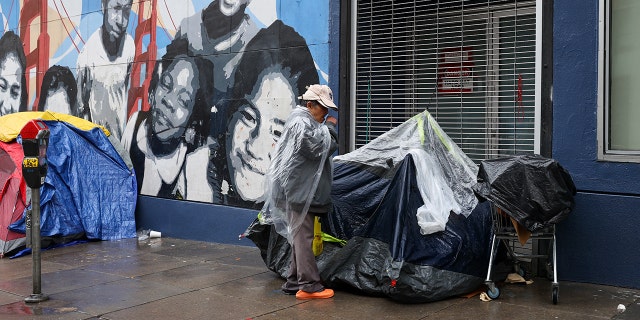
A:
x: 621, y: 97
x: 471, y: 64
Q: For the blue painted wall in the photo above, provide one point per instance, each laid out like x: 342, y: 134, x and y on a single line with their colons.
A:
x: 597, y: 243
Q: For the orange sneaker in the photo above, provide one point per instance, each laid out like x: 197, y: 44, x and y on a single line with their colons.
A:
x: 324, y: 294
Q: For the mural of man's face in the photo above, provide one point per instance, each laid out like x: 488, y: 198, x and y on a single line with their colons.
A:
x: 254, y: 131
x: 173, y: 100
x: 116, y: 18
x: 231, y: 7
x: 10, y: 85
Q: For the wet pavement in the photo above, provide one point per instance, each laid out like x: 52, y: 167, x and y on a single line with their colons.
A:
x: 166, y: 278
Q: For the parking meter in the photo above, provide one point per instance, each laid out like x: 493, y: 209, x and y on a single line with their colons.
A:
x: 34, y: 138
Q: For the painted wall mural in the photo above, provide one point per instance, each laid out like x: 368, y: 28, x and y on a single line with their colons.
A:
x: 197, y: 90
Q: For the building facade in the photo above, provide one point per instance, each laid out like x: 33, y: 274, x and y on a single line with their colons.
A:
x: 197, y: 90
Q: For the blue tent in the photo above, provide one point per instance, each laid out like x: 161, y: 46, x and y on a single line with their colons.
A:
x: 89, y: 190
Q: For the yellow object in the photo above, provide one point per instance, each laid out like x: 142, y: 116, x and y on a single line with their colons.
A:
x: 317, y: 237
x: 11, y: 124
x: 31, y: 162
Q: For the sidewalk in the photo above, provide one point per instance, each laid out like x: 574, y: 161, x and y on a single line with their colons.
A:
x: 166, y: 278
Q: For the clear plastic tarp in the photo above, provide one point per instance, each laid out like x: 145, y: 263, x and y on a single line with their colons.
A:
x: 445, y: 174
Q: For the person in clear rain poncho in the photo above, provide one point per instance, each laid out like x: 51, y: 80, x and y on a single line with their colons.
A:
x: 298, y: 186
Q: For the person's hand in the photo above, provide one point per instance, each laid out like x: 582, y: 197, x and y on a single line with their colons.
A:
x: 332, y: 119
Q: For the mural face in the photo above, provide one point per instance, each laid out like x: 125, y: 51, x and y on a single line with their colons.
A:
x: 199, y: 99
x: 231, y: 7
x: 168, y: 143
x: 173, y: 100
x: 59, y: 91
x: 114, y: 25
x: 254, y: 130
x: 10, y: 84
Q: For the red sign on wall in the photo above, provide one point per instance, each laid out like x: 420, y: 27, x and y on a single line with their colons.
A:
x: 455, y: 70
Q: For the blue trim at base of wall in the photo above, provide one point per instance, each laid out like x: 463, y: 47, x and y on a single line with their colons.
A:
x: 194, y: 220
x: 597, y: 242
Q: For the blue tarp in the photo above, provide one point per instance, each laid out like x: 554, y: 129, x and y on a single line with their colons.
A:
x: 88, y: 191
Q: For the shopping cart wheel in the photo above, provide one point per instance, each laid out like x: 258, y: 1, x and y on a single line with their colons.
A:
x: 493, y: 292
x: 554, y: 294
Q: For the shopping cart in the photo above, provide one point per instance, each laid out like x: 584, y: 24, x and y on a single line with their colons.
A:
x: 505, y: 231
x: 533, y: 193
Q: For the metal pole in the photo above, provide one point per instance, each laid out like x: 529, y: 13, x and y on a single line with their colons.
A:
x: 37, y: 295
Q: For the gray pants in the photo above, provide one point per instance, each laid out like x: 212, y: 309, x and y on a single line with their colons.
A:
x: 303, y: 271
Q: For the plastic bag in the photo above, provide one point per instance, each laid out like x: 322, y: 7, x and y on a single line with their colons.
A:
x: 534, y: 190
x: 317, y: 236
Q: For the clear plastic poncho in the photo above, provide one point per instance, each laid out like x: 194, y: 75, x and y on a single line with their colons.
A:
x: 295, y: 171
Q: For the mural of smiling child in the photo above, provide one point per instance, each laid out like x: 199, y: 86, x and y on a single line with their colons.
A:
x: 266, y: 85
x: 168, y: 143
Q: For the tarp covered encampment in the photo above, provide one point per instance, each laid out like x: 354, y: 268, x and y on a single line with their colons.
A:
x: 413, y: 227
x: 90, y: 187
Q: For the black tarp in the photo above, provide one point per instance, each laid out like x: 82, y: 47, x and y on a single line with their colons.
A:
x: 375, y: 200
x: 534, y: 190
x: 386, y: 255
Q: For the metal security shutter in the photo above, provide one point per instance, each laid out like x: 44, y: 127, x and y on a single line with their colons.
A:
x: 471, y: 63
